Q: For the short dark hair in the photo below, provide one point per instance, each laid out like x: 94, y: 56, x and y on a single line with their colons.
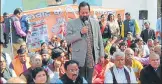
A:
x: 106, y: 56
x: 112, y: 50
x: 108, y: 18
x: 83, y: 4
x: 56, y: 52
x: 17, y: 11
x: 118, y: 13
x: 21, y: 51
x: 70, y: 62
x: 43, y: 43
x: 138, y: 39
x: 127, y: 13
x: 102, y: 15
x: 5, y: 14
x: 62, y: 41
x: 147, y: 22
x: 37, y: 70
x: 133, y: 46
x: 123, y: 43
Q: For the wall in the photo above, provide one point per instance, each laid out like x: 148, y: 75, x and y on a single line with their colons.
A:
x: 133, y: 6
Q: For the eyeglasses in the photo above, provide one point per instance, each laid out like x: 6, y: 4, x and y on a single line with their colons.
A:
x: 72, y: 70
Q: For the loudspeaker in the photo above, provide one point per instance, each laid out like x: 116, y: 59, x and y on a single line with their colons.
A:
x: 143, y: 14
x: 74, y: 1
x: 58, y: 0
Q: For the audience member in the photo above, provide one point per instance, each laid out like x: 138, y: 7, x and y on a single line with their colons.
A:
x: 100, y: 68
x: 130, y: 39
x: 54, y: 42
x: 131, y: 62
x: 138, y: 55
x: 157, y: 50
x: 119, y: 73
x: 40, y: 75
x: 150, y: 43
x: 21, y: 63
x: 104, y: 28
x: 123, y: 46
x: 108, y: 44
x: 6, y: 72
x: 64, y: 47
x: 113, y: 25
x: 46, y: 58
x: 130, y: 25
x: 142, y: 47
x: 5, y: 55
x: 72, y: 75
x: 152, y: 73
x: 156, y: 42
x: 120, y: 21
x: 147, y: 33
x: 59, y: 57
x: 6, y: 28
x: 35, y: 61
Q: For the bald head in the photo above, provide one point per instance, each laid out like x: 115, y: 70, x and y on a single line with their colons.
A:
x: 129, y: 52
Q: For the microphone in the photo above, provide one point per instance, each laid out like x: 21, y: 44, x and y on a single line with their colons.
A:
x: 86, y: 23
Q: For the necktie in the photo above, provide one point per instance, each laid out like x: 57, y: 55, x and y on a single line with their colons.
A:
x: 90, y: 59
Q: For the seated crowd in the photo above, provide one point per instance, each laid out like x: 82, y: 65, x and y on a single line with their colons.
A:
x: 123, y: 62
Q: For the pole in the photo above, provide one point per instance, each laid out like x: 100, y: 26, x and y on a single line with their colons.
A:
x: 11, y: 37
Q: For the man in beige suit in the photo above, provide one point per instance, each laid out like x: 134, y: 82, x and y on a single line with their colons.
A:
x: 85, y: 38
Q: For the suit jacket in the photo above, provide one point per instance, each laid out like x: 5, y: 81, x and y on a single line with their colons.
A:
x: 149, y: 76
x: 78, y: 42
x: 145, y: 36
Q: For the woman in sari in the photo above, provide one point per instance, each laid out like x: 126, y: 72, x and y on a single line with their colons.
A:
x: 100, y: 68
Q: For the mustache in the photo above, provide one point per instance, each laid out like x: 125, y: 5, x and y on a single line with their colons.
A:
x: 75, y: 74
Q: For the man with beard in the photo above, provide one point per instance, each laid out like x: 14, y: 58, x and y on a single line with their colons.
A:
x: 46, y: 59
x: 72, y: 73
x: 85, y: 37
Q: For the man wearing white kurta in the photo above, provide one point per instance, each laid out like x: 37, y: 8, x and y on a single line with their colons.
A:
x: 119, y: 73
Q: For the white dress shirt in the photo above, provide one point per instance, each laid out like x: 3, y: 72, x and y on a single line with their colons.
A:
x: 119, y: 75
